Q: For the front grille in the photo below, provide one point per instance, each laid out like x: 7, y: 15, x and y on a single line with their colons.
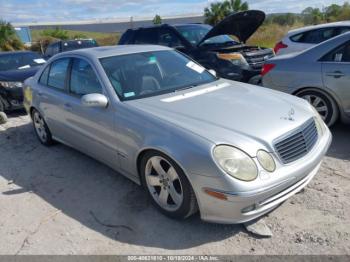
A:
x: 298, y: 143
x: 257, y: 59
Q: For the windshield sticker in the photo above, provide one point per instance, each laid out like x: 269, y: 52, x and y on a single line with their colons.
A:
x: 129, y: 94
x: 152, y: 60
x: 24, y: 67
x: 195, y: 67
x: 39, y: 61
x: 195, y: 93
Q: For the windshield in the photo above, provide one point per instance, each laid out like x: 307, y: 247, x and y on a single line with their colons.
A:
x: 19, y: 61
x: 195, y: 33
x: 140, y: 75
x: 78, y: 44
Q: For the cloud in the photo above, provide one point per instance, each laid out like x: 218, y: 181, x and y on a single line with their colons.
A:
x: 73, y: 10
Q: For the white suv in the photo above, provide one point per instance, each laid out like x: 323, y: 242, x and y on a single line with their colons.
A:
x: 305, y: 37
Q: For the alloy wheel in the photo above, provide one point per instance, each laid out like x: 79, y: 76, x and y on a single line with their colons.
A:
x: 164, y: 184
x: 319, y: 104
x: 39, y: 125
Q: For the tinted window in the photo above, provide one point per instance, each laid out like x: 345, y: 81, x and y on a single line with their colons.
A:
x: 58, y: 72
x: 146, y: 36
x: 343, y: 30
x: 83, y: 79
x: 314, y: 36
x: 340, y: 54
x: 44, y: 76
x: 135, y: 76
x: 19, y: 61
x: 78, y: 44
x: 167, y: 38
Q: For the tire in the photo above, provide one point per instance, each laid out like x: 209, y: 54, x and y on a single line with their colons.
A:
x: 3, y: 118
x: 41, y: 129
x: 161, y: 176
x: 323, y: 103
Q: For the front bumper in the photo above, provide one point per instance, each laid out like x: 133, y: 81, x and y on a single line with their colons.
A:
x: 241, y: 207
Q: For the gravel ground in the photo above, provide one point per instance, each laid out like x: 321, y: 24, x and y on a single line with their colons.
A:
x: 58, y: 201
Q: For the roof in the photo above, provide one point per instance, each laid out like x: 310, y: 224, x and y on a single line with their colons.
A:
x: 306, y: 28
x: 105, y: 51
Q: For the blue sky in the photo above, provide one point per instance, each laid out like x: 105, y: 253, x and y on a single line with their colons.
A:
x: 64, y: 10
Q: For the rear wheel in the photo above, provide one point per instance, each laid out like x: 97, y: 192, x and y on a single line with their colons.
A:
x: 323, y: 103
x: 3, y: 118
x: 41, y: 129
x: 168, y: 186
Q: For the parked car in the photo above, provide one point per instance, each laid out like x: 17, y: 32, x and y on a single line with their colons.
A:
x: 321, y: 75
x: 15, y: 67
x: 211, y: 46
x: 68, y: 45
x: 233, y: 150
x: 303, y: 38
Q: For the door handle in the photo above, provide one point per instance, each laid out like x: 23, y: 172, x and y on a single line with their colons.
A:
x: 336, y: 74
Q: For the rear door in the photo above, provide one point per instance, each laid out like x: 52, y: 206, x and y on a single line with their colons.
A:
x: 336, y: 74
x: 50, y: 95
x: 89, y: 129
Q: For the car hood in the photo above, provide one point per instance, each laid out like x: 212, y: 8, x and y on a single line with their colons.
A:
x: 241, y: 25
x: 228, y: 112
x: 19, y: 74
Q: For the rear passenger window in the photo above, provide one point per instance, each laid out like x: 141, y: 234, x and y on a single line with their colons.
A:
x: 83, y: 79
x: 168, y: 38
x: 44, y: 76
x: 341, y: 54
x: 58, y: 72
x: 314, y: 36
x: 146, y: 36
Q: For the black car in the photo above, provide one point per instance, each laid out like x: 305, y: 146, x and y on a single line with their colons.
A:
x: 68, y: 45
x: 15, y: 67
x: 212, y: 46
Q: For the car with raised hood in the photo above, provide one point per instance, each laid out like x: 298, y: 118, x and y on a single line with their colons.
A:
x: 194, y: 141
x: 212, y: 47
x: 321, y: 75
x: 300, y: 39
x: 15, y: 67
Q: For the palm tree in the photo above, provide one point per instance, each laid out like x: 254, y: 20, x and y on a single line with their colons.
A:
x: 218, y: 11
x: 238, y: 5
x: 8, y: 39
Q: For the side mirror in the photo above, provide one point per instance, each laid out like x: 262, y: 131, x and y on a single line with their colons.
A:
x: 213, y: 72
x: 94, y: 100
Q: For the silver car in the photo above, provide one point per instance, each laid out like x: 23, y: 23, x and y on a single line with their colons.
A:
x: 321, y: 75
x: 232, y: 150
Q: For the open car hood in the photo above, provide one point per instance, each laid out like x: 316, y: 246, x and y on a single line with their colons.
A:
x: 241, y: 25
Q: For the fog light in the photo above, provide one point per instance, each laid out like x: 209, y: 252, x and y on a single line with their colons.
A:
x: 248, y: 208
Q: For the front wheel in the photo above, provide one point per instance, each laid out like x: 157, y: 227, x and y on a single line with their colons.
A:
x: 41, y: 129
x: 323, y: 103
x: 168, y: 186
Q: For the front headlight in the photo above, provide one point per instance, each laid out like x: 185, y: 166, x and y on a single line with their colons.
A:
x: 235, y: 58
x: 320, y: 125
x: 266, y: 160
x: 11, y: 84
x: 235, y: 162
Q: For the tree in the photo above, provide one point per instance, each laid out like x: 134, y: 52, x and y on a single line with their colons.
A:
x: 8, y: 38
x: 218, y: 11
x: 332, y: 12
x: 157, y: 20
x: 312, y: 15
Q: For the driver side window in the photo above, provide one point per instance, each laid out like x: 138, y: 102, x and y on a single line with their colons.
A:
x: 83, y: 79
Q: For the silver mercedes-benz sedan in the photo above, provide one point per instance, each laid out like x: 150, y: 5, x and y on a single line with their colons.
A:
x: 232, y: 150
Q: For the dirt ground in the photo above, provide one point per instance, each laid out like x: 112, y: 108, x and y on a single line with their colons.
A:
x: 58, y: 201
